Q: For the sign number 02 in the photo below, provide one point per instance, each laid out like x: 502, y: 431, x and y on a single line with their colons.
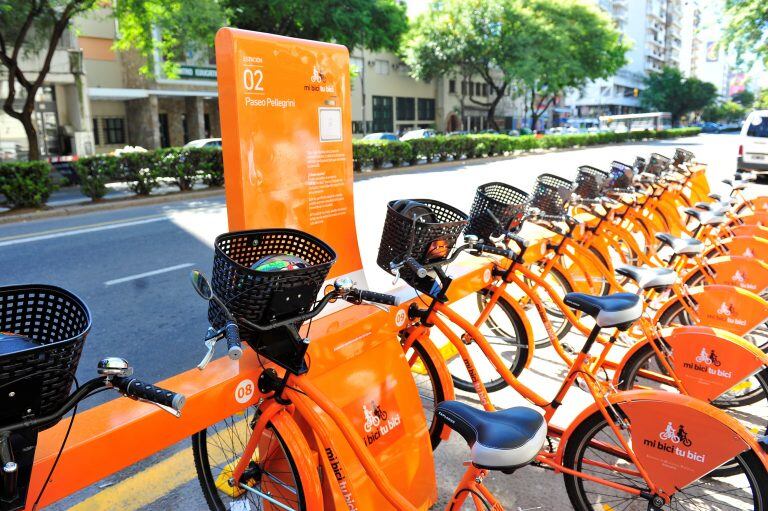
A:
x: 252, y: 79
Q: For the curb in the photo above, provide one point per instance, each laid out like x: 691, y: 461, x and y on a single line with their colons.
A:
x: 110, y: 205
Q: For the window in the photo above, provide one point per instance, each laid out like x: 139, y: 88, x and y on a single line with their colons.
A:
x: 406, y: 109
x: 382, y: 113
x: 382, y: 67
x: 485, y: 89
x: 452, y: 86
x: 463, y: 88
x: 356, y: 62
x: 96, y: 138
x: 758, y: 127
x: 114, y: 129
x: 426, y: 109
x: 478, y: 89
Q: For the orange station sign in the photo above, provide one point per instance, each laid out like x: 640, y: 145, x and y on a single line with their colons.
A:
x: 287, y: 138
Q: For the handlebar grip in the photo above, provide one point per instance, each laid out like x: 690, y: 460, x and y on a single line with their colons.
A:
x: 522, y: 242
x: 232, y: 333
x: 135, y: 388
x: 415, y: 267
x: 382, y: 298
x: 496, y: 251
x: 551, y: 218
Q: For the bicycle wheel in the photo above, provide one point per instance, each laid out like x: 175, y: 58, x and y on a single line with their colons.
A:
x: 505, y: 332
x: 430, y: 386
x: 589, y: 451
x: 217, y: 450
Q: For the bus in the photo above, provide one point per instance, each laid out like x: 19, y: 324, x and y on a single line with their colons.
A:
x: 636, y: 122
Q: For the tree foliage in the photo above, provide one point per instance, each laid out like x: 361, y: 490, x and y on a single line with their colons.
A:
x: 168, y: 28
x: 377, y: 24
x: 728, y: 111
x: 745, y: 98
x: 761, y: 103
x: 544, y: 46
x: 669, y: 91
x: 747, y: 27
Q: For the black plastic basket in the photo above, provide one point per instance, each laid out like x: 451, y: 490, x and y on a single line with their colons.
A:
x: 551, y: 194
x: 404, y: 237
x: 264, y: 297
x: 621, y: 176
x: 639, y: 165
x: 501, y: 200
x: 589, y: 182
x: 36, y: 381
x: 682, y: 156
x: 658, y: 164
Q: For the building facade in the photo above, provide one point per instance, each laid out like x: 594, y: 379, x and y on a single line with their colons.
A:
x: 655, y: 30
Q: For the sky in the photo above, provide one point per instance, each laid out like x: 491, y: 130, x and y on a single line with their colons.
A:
x: 416, y: 7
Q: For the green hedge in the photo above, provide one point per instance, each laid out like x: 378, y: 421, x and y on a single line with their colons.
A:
x: 369, y: 153
x: 144, y: 170
x: 26, y: 184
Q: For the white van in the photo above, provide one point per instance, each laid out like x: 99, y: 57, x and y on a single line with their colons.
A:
x: 753, y: 146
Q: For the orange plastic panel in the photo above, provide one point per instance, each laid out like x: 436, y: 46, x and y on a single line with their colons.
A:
x: 709, y: 361
x: 287, y: 138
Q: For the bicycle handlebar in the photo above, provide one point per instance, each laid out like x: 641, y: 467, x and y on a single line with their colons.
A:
x: 415, y: 267
x: 137, y: 389
x: 232, y: 334
x: 509, y: 254
x: 382, y: 298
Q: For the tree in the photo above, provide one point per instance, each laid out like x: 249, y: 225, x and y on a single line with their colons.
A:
x: 747, y: 26
x: 375, y: 24
x: 745, y: 98
x: 31, y: 28
x: 761, y: 103
x: 729, y: 111
x: 471, y: 38
x: 575, y: 43
x: 669, y: 91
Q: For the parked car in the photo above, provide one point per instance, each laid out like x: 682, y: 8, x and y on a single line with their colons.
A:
x: 711, y: 127
x: 390, y: 137
x: 556, y: 131
x: 415, y: 134
x: 456, y: 133
x: 753, y: 147
x: 513, y: 133
x: 204, y: 142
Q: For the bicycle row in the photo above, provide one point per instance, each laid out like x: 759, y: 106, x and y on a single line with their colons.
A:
x: 666, y: 428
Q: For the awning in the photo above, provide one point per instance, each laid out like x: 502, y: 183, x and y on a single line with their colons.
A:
x: 115, y: 94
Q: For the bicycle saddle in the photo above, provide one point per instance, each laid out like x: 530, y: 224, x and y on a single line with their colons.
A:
x: 618, y: 310
x: 736, y: 184
x: 706, y: 217
x: 716, y: 208
x: 648, y: 278
x: 501, y: 440
x: 680, y: 246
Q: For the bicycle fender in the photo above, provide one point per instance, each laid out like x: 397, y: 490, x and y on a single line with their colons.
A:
x: 713, y: 436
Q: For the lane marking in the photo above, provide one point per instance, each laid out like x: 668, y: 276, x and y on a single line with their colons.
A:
x: 145, y: 487
x: 147, y: 274
x: 83, y: 229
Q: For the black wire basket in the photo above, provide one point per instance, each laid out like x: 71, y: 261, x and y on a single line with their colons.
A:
x: 36, y: 381
x: 621, y: 176
x: 506, y: 203
x: 264, y: 297
x: 658, y: 164
x: 551, y: 194
x: 682, y: 156
x: 589, y: 182
x: 427, y: 240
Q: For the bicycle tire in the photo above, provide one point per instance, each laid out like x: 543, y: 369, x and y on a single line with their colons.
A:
x: 517, y: 363
x: 749, y: 463
x: 431, y: 382
x: 207, y: 479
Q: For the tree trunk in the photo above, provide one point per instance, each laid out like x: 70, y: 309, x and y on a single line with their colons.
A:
x: 492, y: 110
x: 32, y: 138
x: 534, y: 115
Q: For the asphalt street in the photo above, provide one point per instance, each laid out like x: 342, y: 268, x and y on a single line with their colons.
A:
x: 131, y: 267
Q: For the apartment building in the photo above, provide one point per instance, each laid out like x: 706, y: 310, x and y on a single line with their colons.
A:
x: 655, y: 30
